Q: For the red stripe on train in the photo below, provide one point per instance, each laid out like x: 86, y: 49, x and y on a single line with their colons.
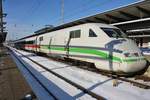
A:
x: 32, y: 46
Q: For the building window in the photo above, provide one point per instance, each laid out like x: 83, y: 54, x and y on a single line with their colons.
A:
x: 75, y: 34
x: 92, y: 33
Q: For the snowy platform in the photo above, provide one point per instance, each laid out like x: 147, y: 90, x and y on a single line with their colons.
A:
x: 97, y: 83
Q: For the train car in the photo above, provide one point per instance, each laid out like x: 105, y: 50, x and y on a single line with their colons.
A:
x: 30, y: 44
x: 19, y: 44
x: 104, y: 45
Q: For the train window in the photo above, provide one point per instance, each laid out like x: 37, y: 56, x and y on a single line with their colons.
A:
x: 72, y: 34
x: 92, y: 33
x: 114, y: 32
x: 29, y: 42
x: 41, y: 38
x: 75, y: 34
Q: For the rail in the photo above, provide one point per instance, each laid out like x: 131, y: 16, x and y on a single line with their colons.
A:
x: 98, y: 97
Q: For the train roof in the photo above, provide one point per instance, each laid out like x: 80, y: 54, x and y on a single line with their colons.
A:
x: 51, y: 29
x: 118, y: 15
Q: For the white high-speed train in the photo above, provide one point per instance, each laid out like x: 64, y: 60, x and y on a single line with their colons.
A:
x: 104, y: 45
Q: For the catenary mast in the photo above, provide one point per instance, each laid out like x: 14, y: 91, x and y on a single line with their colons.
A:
x: 2, y: 23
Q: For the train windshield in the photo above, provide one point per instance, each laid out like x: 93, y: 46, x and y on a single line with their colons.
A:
x: 114, y: 32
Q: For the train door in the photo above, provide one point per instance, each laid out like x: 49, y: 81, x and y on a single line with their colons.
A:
x: 49, y: 45
x: 67, y: 43
x: 40, y: 41
x: 35, y: 42
x: 73, y: 38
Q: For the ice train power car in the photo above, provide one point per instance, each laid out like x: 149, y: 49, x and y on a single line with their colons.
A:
x: 104, y: 45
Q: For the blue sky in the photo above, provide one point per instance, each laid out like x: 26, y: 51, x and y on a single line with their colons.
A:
x: 26, y: 16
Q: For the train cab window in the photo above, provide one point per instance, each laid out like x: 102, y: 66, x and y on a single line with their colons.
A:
x: 75, y: 34
x: 41, y: 38
x: 92, y: 33
x: 114, y: 32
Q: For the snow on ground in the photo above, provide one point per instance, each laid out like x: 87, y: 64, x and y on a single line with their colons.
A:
x: 61, y: 89
x: 95, y: 82
x: 36, y: 87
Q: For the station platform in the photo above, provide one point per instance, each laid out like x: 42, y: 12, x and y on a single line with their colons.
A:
x: 42, y: 81
x: 13, y: 86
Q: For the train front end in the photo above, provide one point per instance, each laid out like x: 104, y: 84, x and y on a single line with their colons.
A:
x: 128, y: 57
x: 132, y: 59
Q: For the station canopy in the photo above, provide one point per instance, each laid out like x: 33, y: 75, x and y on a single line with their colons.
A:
x: 129, y: 18
x: 136, y: 11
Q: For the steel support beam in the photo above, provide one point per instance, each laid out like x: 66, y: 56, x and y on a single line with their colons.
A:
x: 143, y: 10
x: 103, y: 20
x: 115, y: 18
x: 129, y: 15
x: 87, y: 20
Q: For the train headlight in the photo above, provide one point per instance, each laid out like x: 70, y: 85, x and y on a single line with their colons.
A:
x: 131, y: 54
x: 127, y: 54
x: 142, y: 54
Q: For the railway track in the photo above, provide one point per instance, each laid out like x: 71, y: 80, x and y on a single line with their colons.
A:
x: 21, y: 62
x: 92, y: 68
x: 134, y: 80
x: 94, y: 95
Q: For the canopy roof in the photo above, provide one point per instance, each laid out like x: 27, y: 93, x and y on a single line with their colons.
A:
x: 129, y: 17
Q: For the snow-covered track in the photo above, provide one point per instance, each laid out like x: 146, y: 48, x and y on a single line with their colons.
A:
x: 49, y: 92
x: 98, y: 97
x: 92, y: 68
x: 97, y: 83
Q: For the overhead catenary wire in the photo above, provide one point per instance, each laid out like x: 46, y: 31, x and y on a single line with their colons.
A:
x: 82, y: 9
x: 85, y: 9
x: 35, y: 5
x: 34, y: 8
